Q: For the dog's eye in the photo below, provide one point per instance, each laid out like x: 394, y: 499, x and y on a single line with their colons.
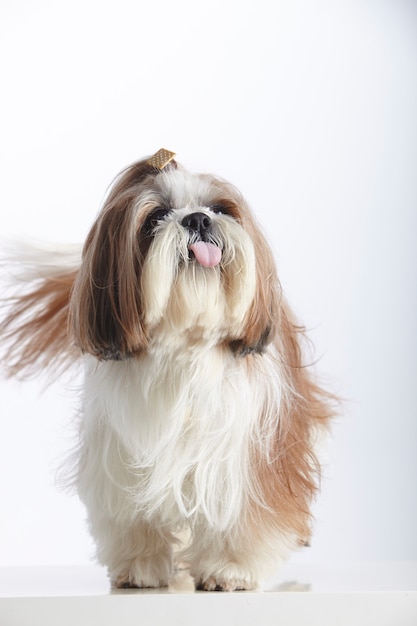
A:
x: 152, y: 221
x: 220, y: 209
x: 155, y: 217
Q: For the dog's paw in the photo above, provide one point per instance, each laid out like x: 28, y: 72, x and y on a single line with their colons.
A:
x: 213, y: 583
x: 129, y: 582
x: 143, y: 574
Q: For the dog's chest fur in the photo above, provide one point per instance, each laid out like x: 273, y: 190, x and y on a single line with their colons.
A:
x: 181, y: 421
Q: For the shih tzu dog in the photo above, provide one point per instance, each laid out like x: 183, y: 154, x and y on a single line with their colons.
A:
x: 197, y: 410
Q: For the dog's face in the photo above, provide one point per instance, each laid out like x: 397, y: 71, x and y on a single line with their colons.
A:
x: 173, y: 255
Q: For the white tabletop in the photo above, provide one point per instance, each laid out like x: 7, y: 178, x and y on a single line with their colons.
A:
x: 383, y: 593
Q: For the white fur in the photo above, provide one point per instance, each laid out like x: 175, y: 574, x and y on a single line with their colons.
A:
x: 165, y: 440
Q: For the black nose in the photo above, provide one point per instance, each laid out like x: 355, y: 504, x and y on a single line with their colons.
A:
x: 199, y: 223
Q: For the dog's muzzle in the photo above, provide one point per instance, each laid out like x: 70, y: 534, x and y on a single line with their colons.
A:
x: 205, y: 252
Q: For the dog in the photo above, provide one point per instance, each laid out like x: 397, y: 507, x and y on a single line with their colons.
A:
x: 198, y: 412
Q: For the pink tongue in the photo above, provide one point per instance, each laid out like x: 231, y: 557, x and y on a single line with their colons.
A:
x: 207, y: 254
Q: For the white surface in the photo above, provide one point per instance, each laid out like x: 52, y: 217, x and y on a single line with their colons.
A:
x: 310, y: 109
x: 381, y: 576
x: 366, y: 593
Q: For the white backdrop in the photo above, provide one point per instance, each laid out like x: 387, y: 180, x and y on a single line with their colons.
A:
x: 310, y: 109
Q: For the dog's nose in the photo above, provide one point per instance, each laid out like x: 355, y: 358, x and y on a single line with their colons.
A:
x: 198, y: 223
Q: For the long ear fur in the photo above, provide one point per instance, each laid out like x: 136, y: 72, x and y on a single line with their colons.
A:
x: 106, y: 311
x: 261, y: 321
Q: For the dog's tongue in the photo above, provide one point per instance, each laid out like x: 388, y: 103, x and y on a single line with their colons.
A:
x: 207, y: 254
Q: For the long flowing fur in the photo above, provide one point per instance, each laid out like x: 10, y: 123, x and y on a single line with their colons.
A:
x: 37, y: 283
x: 198, y: 411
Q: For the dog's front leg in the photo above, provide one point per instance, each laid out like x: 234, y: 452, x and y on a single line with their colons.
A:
x: 135, y: 554
x: 234, y: 559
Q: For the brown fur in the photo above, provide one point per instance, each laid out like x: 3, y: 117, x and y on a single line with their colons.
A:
x: 106, y: 310
x: 287, y: 481
x: 260, y: 326
x: 35, y: 329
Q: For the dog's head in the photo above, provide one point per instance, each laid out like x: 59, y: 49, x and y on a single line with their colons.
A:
x: 173, y: 255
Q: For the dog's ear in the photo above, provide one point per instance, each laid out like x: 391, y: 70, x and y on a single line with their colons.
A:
x: 105, y: 311
x: 263, y: 316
